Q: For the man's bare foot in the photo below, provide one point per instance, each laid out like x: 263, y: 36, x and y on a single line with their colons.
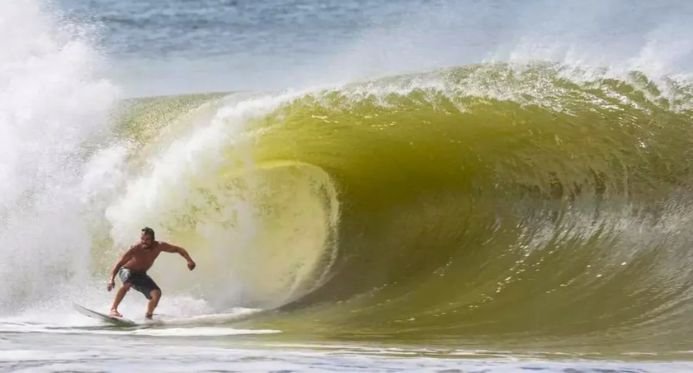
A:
x: 148, y: 316
x: 115, y: 313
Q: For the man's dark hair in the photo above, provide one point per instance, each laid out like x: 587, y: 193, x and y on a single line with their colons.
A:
x: 149, y: 232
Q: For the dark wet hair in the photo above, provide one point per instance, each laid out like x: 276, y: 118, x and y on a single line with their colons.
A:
x: 149, y: 232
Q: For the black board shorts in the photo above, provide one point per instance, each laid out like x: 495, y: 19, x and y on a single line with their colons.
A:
x: 138, y: 280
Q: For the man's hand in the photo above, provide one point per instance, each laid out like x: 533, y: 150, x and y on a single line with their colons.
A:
x: 111, y: 285
x: 191, y: 265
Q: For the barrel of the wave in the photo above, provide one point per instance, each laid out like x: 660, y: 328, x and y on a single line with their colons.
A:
x: 263, y: 230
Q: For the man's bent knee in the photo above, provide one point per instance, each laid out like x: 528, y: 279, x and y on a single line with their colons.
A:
x: 155, y: 294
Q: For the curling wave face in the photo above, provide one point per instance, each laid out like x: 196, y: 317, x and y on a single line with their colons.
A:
x: 488, y: 202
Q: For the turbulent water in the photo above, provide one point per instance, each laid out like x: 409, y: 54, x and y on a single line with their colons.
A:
x: 496, y: 210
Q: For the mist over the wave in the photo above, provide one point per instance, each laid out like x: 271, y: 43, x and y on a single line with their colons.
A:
x: 54, y: 106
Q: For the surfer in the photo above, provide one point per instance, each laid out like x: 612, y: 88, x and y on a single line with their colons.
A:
x: 132, y: 270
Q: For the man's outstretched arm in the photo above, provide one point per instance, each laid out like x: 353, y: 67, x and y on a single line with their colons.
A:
x: 121, y: 262
x: 175, y: 249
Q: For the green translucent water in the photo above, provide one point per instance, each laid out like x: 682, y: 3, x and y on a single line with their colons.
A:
x: 534, y: 207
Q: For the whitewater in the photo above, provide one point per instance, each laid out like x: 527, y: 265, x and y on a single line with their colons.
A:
x: 386, y: 187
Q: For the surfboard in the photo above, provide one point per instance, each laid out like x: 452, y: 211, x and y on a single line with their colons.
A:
x: 119, y: 321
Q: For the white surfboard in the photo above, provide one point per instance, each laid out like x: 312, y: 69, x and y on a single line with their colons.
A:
x: 119, y: 321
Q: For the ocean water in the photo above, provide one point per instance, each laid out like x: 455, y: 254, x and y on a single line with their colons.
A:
x: 365, y: 185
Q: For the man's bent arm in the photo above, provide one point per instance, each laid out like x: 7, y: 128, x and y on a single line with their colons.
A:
x: 175, y: 249
x: 123, y: 259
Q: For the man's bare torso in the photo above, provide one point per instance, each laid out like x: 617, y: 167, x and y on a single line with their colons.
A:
x: 143, y: 257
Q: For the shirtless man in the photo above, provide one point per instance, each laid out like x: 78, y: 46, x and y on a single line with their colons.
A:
x: 132, y: 270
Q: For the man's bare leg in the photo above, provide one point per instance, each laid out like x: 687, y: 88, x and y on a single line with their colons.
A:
x: 153, y: 302
x: 120, y: 294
